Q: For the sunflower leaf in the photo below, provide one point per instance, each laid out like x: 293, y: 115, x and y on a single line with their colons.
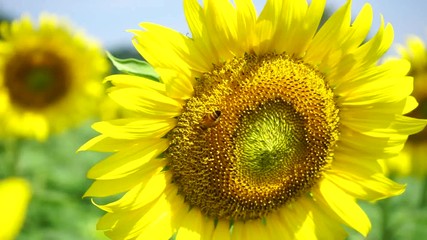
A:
x: 135, y: 67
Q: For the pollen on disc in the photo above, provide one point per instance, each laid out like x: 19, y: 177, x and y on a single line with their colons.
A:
x: 273, y: 124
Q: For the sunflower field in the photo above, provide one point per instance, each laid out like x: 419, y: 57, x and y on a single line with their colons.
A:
x: 262, y: 120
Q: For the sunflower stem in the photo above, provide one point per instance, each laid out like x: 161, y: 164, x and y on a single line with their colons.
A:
x: 386, y: 233
x: 423, y: 201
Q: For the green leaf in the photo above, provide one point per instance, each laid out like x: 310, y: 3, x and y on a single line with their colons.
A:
x: 135, y: 67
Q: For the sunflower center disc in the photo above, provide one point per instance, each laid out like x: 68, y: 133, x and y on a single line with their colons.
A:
x: 36, y: 79
x: 257, y: 134
x: 267, y: 140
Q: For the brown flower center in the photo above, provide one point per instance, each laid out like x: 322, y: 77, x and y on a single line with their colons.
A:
x: 36, y: 79
x: 257, y: 134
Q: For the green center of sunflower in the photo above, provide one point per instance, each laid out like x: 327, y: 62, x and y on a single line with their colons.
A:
x: 268, y: 139
x: 36, y: 79
x: 257, y: 134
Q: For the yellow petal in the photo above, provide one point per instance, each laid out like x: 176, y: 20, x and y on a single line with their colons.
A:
x: 221, y: 24
x: 407, y: 125
x: 135, y: 128
x: 372, y: 50
x: 326, y: 227
x: 246, y: 21
x: 289, y: 34
x: 191, y: 226
x: 400, y: 125
x: 254, y: 230
x: 104, y: 188
x: 330, y: 36
x: 266, y: 26
x: 208, y: 227
x: 298, y: 220
x: 359, y: 28
x: 167, y: 48
x: 133, y: 224
x: 159, y: 228
x: 164, y: 217
x: 330, y: 197
x: 103, y: 143
x: 353, y: 77
x: 15, y: 194
x: 379, y: 109
x: 307, y: 28
x: 126, y: 81
x: 149, y: 189
x: 357, y: 63
x: 238, y: 231
x: 362, y: 179
x: 374, y: 188
x: 389, y: 90
x: 365, y: 120
x: 278, y: 227
x: 196, y: 20
x: 367, y: 146
x: 129, y: 160
x: 177, y: 84
x: 410, y: 104
x: 146, y: 101
x: 222, y: 231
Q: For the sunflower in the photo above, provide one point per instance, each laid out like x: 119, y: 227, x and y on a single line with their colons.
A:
x: 14, y: 197
x: 412, y: 160
x: 50, y: 77
x: 260, y: 127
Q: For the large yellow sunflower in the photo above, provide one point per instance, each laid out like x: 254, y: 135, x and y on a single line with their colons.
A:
x: 49, y: 77
x: 412, y: 161
x: 261, y: 127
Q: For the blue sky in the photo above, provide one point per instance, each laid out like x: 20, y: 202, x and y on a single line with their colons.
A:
x: 107, y: 20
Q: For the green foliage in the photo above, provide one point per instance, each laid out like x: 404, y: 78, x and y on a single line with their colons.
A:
x: 57, y: 175
x: 400, y: 217
x: 135, y: 67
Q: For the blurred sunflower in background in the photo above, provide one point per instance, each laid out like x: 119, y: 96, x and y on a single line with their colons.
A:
x: 50, y: 88
x: 405, y: 217
x: 259, y: 126
x: 50, y: 77
x: 413, y: 160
